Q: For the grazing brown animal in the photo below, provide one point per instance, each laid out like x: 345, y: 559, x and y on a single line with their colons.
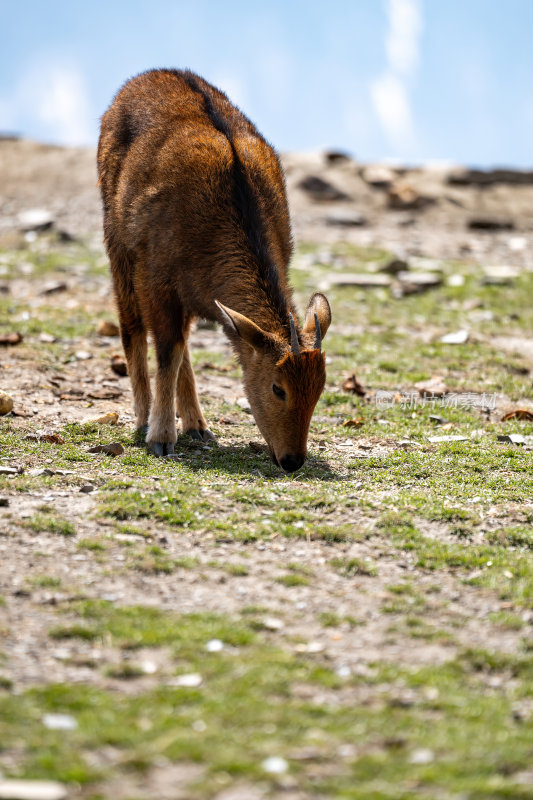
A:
x: 196, y: 224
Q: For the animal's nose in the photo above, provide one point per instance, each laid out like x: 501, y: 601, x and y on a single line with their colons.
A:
x: 291, y: 463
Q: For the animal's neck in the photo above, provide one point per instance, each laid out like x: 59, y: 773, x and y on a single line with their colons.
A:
x: 261, y: 295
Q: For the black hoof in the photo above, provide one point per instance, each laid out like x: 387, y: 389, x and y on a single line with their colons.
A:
x: 161, y: 449
x: 201, y: 436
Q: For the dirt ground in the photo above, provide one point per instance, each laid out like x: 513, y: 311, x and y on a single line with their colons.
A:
x: 57, y: 383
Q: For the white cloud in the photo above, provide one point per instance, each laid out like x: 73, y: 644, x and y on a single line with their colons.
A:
x: 391, y: 104
x: 52, y: 102
x: 405, y: 27
x: 63, y: 106
x: 390, y: 92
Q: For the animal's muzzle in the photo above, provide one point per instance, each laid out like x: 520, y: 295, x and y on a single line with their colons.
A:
x: 291, y: 463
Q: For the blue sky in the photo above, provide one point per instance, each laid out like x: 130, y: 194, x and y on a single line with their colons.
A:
x: 410, y: 80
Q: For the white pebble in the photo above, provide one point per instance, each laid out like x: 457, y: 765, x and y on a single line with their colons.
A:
x: 191, y: 680
x: 422, y: 756
x: 59, y: 722
x: 214, y: 646
x: 275, y: 765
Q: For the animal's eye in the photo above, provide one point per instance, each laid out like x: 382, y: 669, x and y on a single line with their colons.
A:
x: 278, y: 391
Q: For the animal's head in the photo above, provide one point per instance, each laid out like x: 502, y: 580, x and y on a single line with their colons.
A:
x: 283, y: 379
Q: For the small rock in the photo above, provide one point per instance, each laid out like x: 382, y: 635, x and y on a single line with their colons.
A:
x: 11, y: 338
x: 275, y: 765
x: 364, y: 280
x: 53, y: 287
x: 499, y: 275
x: 243, y: 403
x: 59, y: 722
x: 422, y: 756
x: 517, y: 243
x: 273, y: 624
x: 11, y: 470
x: 119, y: 365
x: 35, y: 219
x: 490, y: 224
x: 310, y: 647
x: 104, y: 394
x: 214, y: 646
x: 512, y: 438
x: 456, y: 337
x: 439, y: 420
x: 4, y: 502
x: 394, y: 266
x: 82, y: 355
x: 111, y: 418
x: 40, y: 471
x: 450, y: 438
x: 319, y: 189
x: 46, y: 338
x: 107, y: 328
x: 32, y: 790
x: 403, y: 197
x: 434, y: 387
x: 87, y: 488
x: 345, y: 219
x: 112, y: 449
x: 455, y: 280
x: 191, y: 680
x: 415, y: 282
x: 6, y: 403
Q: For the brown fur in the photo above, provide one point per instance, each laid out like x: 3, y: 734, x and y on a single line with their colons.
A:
x: 195, y: 211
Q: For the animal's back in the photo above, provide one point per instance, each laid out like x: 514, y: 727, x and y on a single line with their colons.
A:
x: 184, y: 172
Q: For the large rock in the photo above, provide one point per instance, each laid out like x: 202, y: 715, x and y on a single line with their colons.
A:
x: 378, y: 176
x: 343, y: 218
x: 489, y: 177
x: 402, y: 196
x: 319, y: 189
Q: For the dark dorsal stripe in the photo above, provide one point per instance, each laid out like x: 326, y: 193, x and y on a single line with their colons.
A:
x: 245, y: 202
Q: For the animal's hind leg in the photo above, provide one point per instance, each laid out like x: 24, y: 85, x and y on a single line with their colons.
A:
x: 133, y: 335
x: 169, y: 346
x: 192, y: 420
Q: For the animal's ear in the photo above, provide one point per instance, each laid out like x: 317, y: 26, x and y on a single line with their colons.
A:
x: 319, y: 306
x: 238, y: 325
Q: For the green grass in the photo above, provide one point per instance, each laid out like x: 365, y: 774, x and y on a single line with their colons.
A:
x: 456, y: 514
x: 251, y: 708
x: 51, y: 523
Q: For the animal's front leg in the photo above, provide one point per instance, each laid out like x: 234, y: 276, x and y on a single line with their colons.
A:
x: 192, y: 419
x: 162, y: 435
